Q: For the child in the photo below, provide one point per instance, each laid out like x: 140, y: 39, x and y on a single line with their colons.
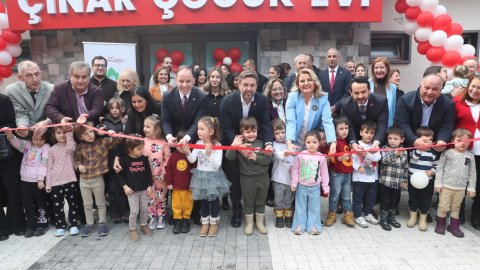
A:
x: 456, y: 171
x: 419, y: 199
x: 393, y: 176
x: 157, y: 151
x: 91, y: 160
x: 340, y: 177
x: 254, y: 178
x: 209, y: 183
x: 113, y: 120
x: 460, y: 79
x: 365, y: 176
x: 136, y: 178
x: 61, y: 179
x: 33, y: 171
x: 281, y: 178
x: 308, y: 173
x: 177, y: 176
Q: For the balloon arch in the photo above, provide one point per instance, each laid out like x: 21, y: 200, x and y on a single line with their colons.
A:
x: 9, y: 45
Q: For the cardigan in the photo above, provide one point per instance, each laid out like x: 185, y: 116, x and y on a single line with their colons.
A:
x: 60, y: 169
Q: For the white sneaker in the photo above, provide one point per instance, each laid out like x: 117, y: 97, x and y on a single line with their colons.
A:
x: 153, y: 223
x: 361, y: 222
x: 161, y: 223
x: 371, y: 219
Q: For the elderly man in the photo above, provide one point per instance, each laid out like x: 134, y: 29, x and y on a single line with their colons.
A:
x: 75, y: 97
x: 100, y: 79
x: 249, y: 64
x: 29, y: 96
x: 472, y: 64
x: 350, y: 66
x: 300, y: 61
x: 310, y: 65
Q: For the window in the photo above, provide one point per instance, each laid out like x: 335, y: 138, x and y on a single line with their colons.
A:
x: 472, y: 39
x: 394, y: 46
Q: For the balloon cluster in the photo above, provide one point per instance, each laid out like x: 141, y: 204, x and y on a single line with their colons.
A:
x: 9, y: 45
x: 437, y: 36
x: 229, y: 58
x: 176, y: 55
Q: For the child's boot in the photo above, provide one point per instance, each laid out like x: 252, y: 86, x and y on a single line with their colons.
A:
x: 185, y: 225
x: 146, y: 230
x: 422, y: 222
x: 347, y: 219
x: 412, y: 220
x: 384, y: 220
x: 177, y: 226
x: 454, y: 227
x: 441, y: 223
x: 279, y: 223
x: 259, y: 222
x: 133, y: 235
x: 391, y: 219
x: 248, y: 224
x: 205, y: 226
x: 212, y: 231
x: 288, y: 218
x: 331, y: 218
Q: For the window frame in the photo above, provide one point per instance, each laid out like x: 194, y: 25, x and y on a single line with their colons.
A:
x: 399, y: 39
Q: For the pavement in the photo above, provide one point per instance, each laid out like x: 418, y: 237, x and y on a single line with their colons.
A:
x: 337, y: 247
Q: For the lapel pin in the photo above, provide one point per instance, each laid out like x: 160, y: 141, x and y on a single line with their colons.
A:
x: 315, y: 107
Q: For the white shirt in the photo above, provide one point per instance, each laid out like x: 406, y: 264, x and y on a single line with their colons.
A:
x: 281, y: 164
x: 475, y: 109
x: 301, y: 136
x: 369, y: 163
x: 245, y: 106
x: 206, y: 163
x: 280, y: 110
x: 334, y: 73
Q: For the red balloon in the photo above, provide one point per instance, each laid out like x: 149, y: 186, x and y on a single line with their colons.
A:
x: 401, y: 6
x: 218, y: 64
x: 11, y: 37
x: 442, y: 22
x: 3, y: 44
x: 219, y: 54
x: 425, y: 19
x: 174, y: 68
x: 423, y: 47
x: 2, y: 8
x: 13, y: 63
x: 455, y: 29
x: 19, y: 31
x: 234, y: 54
x: 157, y: 66
x: 236, y: 67
x: 160, y: 54
x: 5, y: 72
x: 435, y: 54
x: 177, y: 57
x: 451, y: 59
x: 412, y: 13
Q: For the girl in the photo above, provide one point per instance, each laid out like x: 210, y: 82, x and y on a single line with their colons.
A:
x: 33, y: 171
x: 61, y: 179
x: 158, y: 152
x: 135, y: 179
x: 208, y: 181
x: 308, y: 172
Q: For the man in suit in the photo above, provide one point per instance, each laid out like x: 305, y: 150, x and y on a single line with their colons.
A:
x: 362, y: 105
x: 244, y: 103
x: 335, y: 79
x: 249, y: 64
x: 75, y: 97
x: 310, y: 65
x: 300, y: 62
x: 29, y: 97
x: 100, y: 79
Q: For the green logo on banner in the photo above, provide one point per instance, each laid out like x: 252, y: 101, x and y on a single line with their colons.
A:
x: 112, y: 74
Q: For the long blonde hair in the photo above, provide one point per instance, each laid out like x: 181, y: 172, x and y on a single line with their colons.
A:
x: 129, y: 75
x: 317, y: 90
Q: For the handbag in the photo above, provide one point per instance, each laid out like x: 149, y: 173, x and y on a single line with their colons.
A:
x: 6, y: 150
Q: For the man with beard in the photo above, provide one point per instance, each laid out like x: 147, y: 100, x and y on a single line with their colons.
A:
x: 100, y: 79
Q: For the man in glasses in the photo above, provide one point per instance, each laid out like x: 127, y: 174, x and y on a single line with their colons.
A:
x: 100, y: 79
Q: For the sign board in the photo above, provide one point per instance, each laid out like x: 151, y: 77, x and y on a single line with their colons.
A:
x: 119, y: 56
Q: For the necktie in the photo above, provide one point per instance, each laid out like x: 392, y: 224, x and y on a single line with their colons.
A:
x: 332, y: 79
x: 363, y: 111
x: 184, y: 104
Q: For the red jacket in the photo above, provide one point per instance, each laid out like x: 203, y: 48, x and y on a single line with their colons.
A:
x: 464, y: 118
x: 338, y: 166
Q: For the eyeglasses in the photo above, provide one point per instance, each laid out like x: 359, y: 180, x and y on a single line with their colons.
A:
x: 32, y: 75
x: 100, y: 65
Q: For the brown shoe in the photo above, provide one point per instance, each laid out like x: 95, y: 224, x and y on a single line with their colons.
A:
x: 146, y: 230
x: 331, y: 218
x: 205, y: 226
x: 212, y: 231
x: 348, y: 219
x: 132, y: 233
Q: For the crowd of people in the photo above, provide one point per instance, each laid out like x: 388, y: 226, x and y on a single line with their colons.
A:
x: 294, y: 137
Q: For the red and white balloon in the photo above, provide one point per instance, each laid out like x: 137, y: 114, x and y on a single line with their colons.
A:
x: 438, y: 38
x: 229, y: 58
x: 9, y: 45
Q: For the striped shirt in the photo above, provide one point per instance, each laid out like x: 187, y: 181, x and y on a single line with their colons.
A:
x: 60, y: 163
x: 393, y: 169
x: 421, y: 161
x: 94, y: 156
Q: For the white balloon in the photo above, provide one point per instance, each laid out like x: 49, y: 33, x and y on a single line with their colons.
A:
x: 14, y: 50
x: 439, y: 10
x: 438, y: 38
x: 419, y: 180
x: 423, y: 33
x: 467, y: 50
x: 5, y: 58
x: 454, y: 43
x: 411, y: 27
x: 3, y: 21
x: 413, y: 3
x: 428, y: 5
x: 227, y: 61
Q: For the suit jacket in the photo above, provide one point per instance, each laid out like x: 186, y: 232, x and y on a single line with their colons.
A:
x: 341, y: 87
x: 26, y: 112
x: 273, y: 112
x: 289, y: 81
x: 262, y: 81
x: 231, y: 112
x: 409, y: 117
x: 63, y: 103
x: 173, y: 118
x: 377, y: 111
x: 320, y: 116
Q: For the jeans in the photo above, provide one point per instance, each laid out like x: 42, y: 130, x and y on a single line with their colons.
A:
x: 340, y: 187
x: 210, y: 208
x: 307, y: 208
x: 364, y: 195
x: 283, y: 198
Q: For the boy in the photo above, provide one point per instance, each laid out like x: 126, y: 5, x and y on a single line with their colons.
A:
x: 393, y: 176
x: 281, y: 178
x: 419, y: 199
x: 340, y: 177
x: 364, y: 177
x: 254, y: 178
x: 91, y: 160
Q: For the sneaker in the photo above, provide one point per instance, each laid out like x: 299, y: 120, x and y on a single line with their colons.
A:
x: 371, y: 219
x: 40, y: 231
x: 152, y: 224
x: 103, y: 230
x: 161, y: 223
x: 59, y: 232
x: 74, y: 230
x: 361, y: 222
x: 86, y: 230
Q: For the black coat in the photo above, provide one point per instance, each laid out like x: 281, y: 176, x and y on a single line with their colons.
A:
x: 341, y: 87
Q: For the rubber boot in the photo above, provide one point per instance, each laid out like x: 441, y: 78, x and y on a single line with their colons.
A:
x: 260, y: 219
x: 279, y: 213
x: 248, y: 224
x: 454, y: 227
x: 384, y: 220
x: 422, y: 222
x: 391, y: 219
x: 441, y: 223
x: 288, y: 218
x: 205, y: 226
x: 412, y: 220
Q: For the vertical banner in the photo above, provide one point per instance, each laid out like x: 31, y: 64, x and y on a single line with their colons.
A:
x: 119, y: 56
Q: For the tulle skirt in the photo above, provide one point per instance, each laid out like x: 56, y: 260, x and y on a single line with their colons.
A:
x: 208, y: 185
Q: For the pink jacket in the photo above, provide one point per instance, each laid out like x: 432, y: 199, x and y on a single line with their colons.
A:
x: 310, y: 170
x: 34, y: 162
